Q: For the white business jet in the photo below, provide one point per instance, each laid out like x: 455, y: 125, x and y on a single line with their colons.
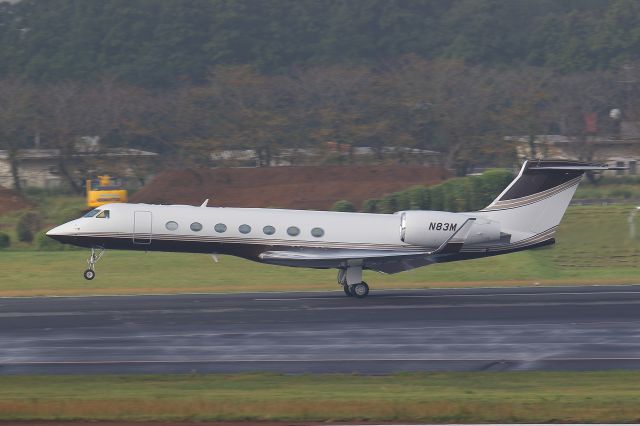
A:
x: 524, y: 216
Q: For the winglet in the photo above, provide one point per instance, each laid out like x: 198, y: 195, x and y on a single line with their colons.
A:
x: 455, y: 242
x: 205, y: 203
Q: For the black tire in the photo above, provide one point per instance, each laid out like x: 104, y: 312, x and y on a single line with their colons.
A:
x: 360, y: 290
x: 346, y: 290
x: 89, y: 274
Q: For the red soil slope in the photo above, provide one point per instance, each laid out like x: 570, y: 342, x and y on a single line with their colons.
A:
x: 313, y: 187
x: 10, y: 201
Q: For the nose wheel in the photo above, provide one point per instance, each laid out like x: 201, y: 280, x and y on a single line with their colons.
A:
x: 96, y: 254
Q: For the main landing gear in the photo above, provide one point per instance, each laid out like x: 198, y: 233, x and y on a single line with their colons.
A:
x: 96, y: 254
x: 350, y: 278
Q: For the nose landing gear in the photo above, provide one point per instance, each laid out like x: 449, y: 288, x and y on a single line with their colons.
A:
x: 96, y: 254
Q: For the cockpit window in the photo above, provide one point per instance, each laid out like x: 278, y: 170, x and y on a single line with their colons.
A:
x: 104, y: 214
x: 92, y: 213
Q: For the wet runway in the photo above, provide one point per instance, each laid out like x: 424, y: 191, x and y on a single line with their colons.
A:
x: 489, y: 329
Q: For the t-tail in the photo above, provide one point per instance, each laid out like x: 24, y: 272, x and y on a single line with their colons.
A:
x: 532, y: 206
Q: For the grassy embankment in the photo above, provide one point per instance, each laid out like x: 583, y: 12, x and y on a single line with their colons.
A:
x: 610, y: 188
x: 594, y: 247
x: 437, y: 397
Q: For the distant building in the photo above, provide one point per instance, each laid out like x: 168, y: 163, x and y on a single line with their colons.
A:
x: 328, y: 154
x: 39, y: 168
x: 623, y: 151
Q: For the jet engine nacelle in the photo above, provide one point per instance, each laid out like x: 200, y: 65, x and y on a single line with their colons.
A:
x: 431, y: 229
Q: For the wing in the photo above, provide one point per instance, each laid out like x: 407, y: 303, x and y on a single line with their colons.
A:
x: 387, y: 261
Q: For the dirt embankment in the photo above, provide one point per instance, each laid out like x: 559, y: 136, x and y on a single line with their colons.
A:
x: 10, y: 201
x: 313, y: 187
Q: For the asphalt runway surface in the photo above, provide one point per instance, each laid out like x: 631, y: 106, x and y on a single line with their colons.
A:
x: 480, y: 329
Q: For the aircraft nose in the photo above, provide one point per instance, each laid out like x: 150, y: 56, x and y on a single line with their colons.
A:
x: 53, y: 232
x: 62, y: 230
x: 56, y: 232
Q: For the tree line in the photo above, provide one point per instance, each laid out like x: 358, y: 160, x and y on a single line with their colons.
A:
x: 461, y: 110
x: 161, y: 43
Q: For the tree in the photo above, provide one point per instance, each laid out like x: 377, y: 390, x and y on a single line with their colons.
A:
x: 17, y: 122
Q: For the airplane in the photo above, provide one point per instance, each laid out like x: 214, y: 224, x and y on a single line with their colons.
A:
x: 524, y: 216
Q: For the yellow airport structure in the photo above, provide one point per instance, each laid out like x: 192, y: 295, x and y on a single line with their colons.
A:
x: 105, y: 190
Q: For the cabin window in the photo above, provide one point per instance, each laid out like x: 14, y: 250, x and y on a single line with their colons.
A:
x: 293, y: 231
x: 196, y: 227
x: 269, y: 230
x: 91, y: 213
x: 244, y: 229
x: 317, y: 232
x: 104, y: 214
x: 220, y: 228
x: 171, y: 225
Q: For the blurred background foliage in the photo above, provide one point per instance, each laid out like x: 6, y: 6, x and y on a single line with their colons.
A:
x: 185, y: 78
x: 468, y: 193
x: 164, y: 43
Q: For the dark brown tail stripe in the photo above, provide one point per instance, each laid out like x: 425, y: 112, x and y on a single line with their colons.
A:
x: 520, y: 202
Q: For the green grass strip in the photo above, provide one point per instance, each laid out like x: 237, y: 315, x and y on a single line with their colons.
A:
x: 534, y: 397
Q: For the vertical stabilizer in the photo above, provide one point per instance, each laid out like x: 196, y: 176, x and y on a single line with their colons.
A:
x: 534, y: 203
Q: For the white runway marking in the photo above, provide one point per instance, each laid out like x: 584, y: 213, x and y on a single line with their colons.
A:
x: 331, y: 330
x: 312, y: 308
x: 245, y: 293
x: 431, y: 296
x: 306, y: 360
x: 290, y: 346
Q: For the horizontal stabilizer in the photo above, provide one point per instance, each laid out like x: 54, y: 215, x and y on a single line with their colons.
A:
x: 571, y: 165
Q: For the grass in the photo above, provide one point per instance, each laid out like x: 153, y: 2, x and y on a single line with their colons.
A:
x: 532, y: 397
x: 617, y: 188
x: 620, y: 191
x: 594, y: 247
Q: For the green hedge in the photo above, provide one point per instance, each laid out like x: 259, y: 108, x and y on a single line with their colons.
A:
x: 42, y: 242
x: 343, y: 206
x: 27, y: 226
x: 5, y: 240
x: 460, y: 194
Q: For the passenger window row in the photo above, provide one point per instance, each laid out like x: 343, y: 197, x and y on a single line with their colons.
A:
x: 245, y: 229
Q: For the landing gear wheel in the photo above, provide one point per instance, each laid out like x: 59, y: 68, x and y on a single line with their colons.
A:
x: 96, y: 254
x: 347, y: 291
x: 360, y: 290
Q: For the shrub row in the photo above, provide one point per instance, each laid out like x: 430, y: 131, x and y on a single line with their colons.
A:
x: 29, y: 230
x: 5, y: 240
x: 460, y: 194
x: 40, y: 242
x: 343, y: 206
x: 27, y: 226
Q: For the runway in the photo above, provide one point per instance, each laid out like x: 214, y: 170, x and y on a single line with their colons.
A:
x: 482, y: 329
